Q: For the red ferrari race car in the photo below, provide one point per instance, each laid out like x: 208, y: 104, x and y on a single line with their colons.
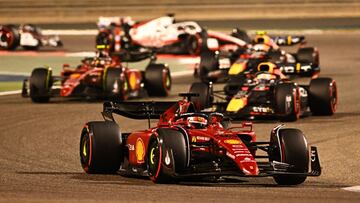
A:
x: 187, y: 144
x: 268, y: 94
x: 303, y: 63
x: 163, y: 35
x: 27, y: 36
x: 101, y: 77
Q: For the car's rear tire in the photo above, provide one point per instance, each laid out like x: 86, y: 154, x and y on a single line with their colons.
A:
x: 241, y: 34
x: 287, y: 98
x: 167, y: 153
x: 276, y: 56
x: 193, y: 44
x: 157, y: 80
x: 308, y: 55
x: 323, y: 96
x: 290, y: 146
x: 11, y: 36
x: 101, y: 147
x: 40, y: 85
x: 208, y: 62
x: 204, y: 98
x: 115, y: 86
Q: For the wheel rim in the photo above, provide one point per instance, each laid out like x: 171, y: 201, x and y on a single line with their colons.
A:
x: 333, y: 96
x: 297, y: 104
x: 124, y: 89
x: 85, y: 151
x: 154, y: 160
x: 166, y: 80
x: 6, y: 37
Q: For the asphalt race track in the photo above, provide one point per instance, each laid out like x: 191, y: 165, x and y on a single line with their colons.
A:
x: 39, y: 157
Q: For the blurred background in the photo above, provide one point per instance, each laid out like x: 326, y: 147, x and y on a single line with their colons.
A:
x: 87, y: 11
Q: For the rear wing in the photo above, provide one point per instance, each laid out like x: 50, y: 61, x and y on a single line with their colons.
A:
x: 289, y: 40
x: 136, y: 110
x: 135, y: 55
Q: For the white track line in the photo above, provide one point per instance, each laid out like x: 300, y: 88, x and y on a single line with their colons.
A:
x: 10, y: 92
x: 352, y: 188
x: 181, y: 73
x: 94, y: 32
x: 70, y: 32
x: 270, y: 31
x: 81, y: 54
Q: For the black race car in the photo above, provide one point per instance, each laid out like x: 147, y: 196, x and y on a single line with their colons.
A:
x: 268, y: 93
x: 305, y: 62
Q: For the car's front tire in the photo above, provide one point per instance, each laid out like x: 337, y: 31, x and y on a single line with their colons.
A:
x: 40, y: 85
x: 101, y: 147
x: 287, y: 98
x: 290, y: 147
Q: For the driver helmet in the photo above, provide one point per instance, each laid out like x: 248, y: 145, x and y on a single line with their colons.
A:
x: 267, y: 71
x: 197, y: 121
x: 266, y: 67
x: 261, y: 37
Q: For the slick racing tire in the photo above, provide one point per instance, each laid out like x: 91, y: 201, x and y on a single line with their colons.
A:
x: 204, y: 99
x: 193, y: 44
x: 167, y: 153
x: 40, y: 85
x: 158, y: 80
x: 323, y: 96
x: 101, y: 147
x: 241, y: 34
x: 290, y: 147
x: 308, y: 55
x: 208, y: 62
x: 9, y: 37
x: 287, y: 100
x: 115, y: 86
x: 276, y: 56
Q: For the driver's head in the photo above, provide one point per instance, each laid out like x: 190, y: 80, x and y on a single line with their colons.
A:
x: 261, y: 37
x: 267, y: 67
x: 197, y: 121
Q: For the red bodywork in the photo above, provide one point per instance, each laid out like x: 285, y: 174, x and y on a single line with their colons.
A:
x: 224, y: 142
x: 91, y: 73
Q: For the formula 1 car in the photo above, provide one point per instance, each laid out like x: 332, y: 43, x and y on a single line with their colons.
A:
x: 268, y: 93
x: 164, y: 36
x: 27, y: 36
x: 101, y: 77
x: 304, y: 63
x: 186, y: 144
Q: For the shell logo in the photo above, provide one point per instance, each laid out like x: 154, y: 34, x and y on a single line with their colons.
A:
x: 140, y: 150
x: 132, y: 80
